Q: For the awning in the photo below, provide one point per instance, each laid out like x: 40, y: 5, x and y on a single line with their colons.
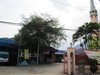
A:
x: 7, y: 42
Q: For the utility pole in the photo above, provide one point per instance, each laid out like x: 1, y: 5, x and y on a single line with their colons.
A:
x: 38, y: 52
x: 19, y: 43
x: 18, y: 53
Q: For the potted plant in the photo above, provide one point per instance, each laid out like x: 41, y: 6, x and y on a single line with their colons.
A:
x: 93, y: 65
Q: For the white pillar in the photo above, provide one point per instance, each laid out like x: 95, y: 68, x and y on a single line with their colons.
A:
x: 69, y: 51
x: 69, y: 64
x: 74, y: 63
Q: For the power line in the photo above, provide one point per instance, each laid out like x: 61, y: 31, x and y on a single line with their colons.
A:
x: 20, y: 24
x: 11, y: 23
x: 70, y: 29
x: 66, y: 5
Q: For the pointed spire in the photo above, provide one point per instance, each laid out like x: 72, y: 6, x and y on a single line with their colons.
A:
x: 93, y: 12
x: 92, y: 5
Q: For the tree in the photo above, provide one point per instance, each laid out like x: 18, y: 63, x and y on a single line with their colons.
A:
x: 42, y: 30
x: 89, y: 32
x: 93, y: 65
x: 81, y: 33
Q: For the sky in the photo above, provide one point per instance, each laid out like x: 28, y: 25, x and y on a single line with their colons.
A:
x: 71, y: 14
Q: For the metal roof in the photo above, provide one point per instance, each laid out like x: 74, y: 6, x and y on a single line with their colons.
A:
x: 7, y: 42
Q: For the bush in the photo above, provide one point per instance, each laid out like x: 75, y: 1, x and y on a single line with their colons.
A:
x: 93, y: 65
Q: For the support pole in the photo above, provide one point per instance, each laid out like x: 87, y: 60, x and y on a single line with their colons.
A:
x: 38, y: 53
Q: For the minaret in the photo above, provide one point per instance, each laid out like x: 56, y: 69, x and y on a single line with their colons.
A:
x: 93, y: 12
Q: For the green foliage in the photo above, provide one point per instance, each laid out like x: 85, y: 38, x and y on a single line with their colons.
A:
x: 43, y: 28
x: 89, y: 32
x: 93, y: 65
x: 93, y: 61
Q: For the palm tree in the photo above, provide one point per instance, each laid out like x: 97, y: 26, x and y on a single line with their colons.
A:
x: 94, y: 31
x: 81, y: 34
x: 88, y: 32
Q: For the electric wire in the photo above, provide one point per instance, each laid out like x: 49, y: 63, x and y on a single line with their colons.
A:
x: 20, y: 24
x: 11, y: 23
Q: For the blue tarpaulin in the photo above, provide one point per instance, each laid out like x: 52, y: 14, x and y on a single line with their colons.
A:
x: 7, y: 42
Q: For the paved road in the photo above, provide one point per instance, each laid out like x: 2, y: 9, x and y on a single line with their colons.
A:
x: 49, y: 69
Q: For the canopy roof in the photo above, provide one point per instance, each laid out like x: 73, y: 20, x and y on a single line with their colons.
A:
x: 7, y: 42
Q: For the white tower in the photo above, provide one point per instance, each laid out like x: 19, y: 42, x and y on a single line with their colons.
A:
x: 93, y: 12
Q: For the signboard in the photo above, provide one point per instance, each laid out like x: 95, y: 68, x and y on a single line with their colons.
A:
x: 94, y: 55
x: 26, y: 53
